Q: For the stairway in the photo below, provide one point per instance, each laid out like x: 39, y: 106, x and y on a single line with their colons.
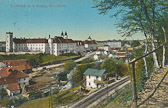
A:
x: 155, y: 92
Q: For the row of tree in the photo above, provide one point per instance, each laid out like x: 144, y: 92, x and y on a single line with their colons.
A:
x: 149, y: 17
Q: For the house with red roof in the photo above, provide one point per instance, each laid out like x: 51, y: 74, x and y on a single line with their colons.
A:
x: 12, y: 81
x: 20, y: 65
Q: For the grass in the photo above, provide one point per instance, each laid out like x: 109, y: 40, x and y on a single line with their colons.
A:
x: 38, y: 58
x: 61, y: 98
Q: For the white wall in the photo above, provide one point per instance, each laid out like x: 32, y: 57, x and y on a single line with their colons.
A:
x: 90, y: 81
x: 24, y: 81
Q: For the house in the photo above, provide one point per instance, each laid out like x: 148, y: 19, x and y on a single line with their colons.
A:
x: 20, y: 65
x: 105, y: 47
x: 93, y: 75
x: 100, y: 51
x: 55, y: 46
x: 96, y: 56
x: 10, y: 85
x: 12, y: 81
x: 2, y: 65
x: 114, y: 43
x: 90, y: 44
x: 121, y: 55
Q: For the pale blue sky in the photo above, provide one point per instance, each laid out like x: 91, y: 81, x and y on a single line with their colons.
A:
x: 77, y: 18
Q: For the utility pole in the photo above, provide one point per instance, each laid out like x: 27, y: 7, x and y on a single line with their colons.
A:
x: 134, y: 79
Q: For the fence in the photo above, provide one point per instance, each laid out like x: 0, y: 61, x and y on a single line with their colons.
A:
x: 133, y: 68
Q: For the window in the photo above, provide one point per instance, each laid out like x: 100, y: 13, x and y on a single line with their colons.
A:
x: 24, y: 78
x: 24, y: 83
x: 89, y: 76
x: 97, y: 77
x: 89, y: 83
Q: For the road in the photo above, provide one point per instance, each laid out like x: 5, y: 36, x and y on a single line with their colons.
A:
x: 84, y: 103
x: 61, y: 64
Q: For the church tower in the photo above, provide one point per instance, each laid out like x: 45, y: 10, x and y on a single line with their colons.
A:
x: 66, y: 35
x: 9, y: 41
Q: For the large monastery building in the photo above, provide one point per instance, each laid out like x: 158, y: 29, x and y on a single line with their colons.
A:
x: 55, y: 46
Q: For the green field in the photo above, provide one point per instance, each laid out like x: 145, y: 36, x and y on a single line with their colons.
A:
x: 38, y: 58
x: 62, y: 98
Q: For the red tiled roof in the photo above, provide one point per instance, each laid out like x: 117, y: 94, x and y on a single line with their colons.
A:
x: 90, y: 42
x: 21, y: 67
x: 41, y: 40
x: 4, y: 72
x: 7, y: 80
x: 13, y: 86
x: 16, y: 62
x: 18, y: 74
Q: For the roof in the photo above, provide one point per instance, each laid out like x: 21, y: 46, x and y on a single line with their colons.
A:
x: 5, y: 81
x: 11, y: 82
x: 21, y: 67
x: 121, y: 53
x: 40, y: 40
x: 4, y: 72
x: 59, y: 39
x: 18, y: 74
x: 114, y: 40
x: 16, y: 62
x: 99, y: 50
x: 13, y: 86
x: 90, y: 42
x: 94, y: 72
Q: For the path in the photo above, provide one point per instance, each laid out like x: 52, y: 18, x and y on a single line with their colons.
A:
x: 61, y: 64
x: 155, y: 92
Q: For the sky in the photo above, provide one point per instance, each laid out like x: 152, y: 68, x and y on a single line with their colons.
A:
x: 39, y: 18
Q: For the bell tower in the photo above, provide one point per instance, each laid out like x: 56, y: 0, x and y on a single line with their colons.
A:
x: 9, y: 41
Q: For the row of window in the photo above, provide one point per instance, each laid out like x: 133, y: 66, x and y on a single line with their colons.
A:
x: 96, y: 77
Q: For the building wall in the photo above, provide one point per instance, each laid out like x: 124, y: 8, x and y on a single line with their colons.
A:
x: 24, y: 81
x: 12, y: 93
x: 106, y: 48
x: 114, y: 44
x: 29, y: 47
x: 90, y: 81
x: 2, y: 46
x: 3, y: 86
x: 49, y: 48
x: 9, y: 42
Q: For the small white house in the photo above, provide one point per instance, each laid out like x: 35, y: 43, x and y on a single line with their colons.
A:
x: 93, y: 75
x: 105, y: 47
x: 96, y: 57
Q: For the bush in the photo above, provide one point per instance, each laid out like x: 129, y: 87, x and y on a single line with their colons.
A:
x: 69, y: 65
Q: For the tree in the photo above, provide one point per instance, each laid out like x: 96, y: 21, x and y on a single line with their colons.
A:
x: 3, y: 93
x: 109, y: 65
x: 135, y: 43
x: 78, y: 73
x: 121, y: 69
x: 69, y: 65
x: 88, y: 60
x: 137, y: 16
